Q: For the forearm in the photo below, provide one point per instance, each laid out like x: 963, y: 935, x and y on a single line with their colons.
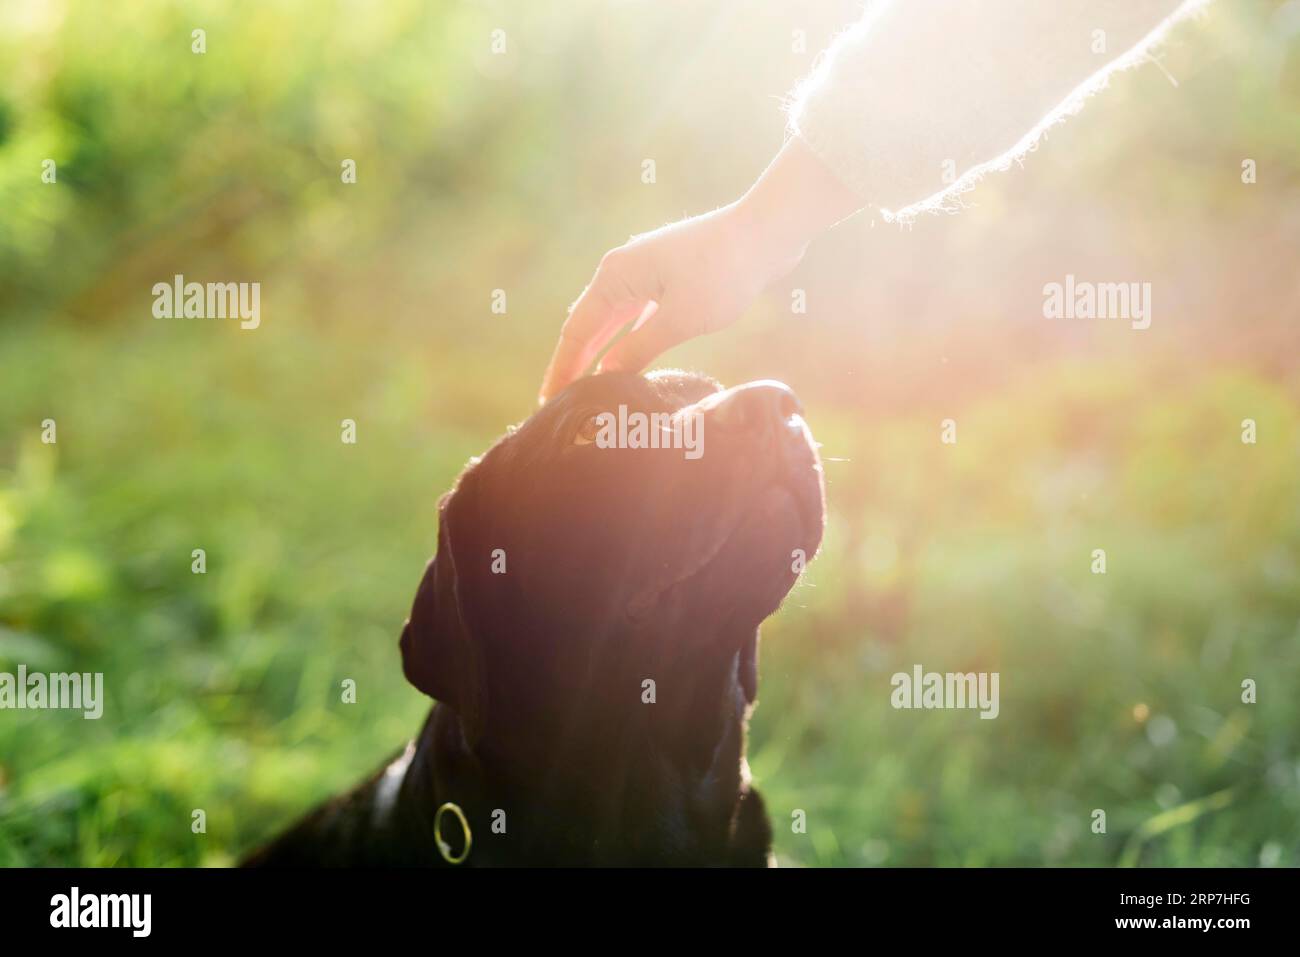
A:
x: 923, y: 96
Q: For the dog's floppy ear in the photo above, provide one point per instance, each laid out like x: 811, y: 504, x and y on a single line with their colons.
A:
x: 440, y: 654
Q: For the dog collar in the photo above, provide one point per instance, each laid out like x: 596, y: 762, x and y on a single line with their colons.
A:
x: 443, y: 847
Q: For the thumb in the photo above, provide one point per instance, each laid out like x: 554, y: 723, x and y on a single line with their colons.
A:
x: 666, y: 327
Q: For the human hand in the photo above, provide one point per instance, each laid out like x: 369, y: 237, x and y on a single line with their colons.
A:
x: 678, y: 282
x: 698, y: 275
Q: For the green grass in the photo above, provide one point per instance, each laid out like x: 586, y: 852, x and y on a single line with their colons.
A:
x: 224, y: 688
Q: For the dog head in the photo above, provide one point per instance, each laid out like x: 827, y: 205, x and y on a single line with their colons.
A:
x: 620, y: 546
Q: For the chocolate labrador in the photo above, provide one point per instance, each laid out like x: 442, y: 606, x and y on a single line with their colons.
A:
x: 589, y: 628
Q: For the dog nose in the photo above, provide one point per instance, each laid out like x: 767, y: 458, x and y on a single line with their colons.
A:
x: 757, y: 407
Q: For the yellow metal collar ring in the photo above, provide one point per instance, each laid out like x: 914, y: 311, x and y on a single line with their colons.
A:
x: 443, y: 847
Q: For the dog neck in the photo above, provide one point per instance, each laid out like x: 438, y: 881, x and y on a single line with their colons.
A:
x: 698, y: 810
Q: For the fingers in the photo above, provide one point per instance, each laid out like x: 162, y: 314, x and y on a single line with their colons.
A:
x: 666, y: 328
x: 604, y: 307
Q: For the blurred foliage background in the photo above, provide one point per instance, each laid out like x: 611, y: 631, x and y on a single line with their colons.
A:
x: 479, y: 171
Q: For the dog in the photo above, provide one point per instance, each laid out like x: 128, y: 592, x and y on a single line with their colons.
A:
x: 588, y: 627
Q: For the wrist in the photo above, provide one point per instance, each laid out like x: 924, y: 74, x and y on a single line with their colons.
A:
x: 795, y: 200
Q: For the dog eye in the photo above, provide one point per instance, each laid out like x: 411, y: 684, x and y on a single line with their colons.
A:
x: 586, y: 433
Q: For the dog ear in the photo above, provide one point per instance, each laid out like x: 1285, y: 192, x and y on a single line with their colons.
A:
x: 440, y: 655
